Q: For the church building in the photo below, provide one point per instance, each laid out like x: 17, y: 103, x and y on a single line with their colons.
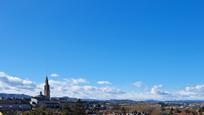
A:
x: 44, y: 100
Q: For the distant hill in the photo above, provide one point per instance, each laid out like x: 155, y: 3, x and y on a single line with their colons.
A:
x: 112, y: 101
x: 14, y: 96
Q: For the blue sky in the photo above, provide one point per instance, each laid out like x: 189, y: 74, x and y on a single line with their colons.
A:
x: 154, y: 42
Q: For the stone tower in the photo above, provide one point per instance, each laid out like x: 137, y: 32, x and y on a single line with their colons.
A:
x: 47, y: 88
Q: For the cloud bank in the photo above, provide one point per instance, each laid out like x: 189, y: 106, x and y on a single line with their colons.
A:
x: 82, y: 88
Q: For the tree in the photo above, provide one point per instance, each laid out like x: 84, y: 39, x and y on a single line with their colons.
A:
x: 79, y: 108
x: 66, y: 110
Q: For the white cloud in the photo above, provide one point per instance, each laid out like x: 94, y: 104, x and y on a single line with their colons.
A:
x: 160, y: 93
x: 192, y: 92
x: 138, y: 84
x: 12, y: 84
x: 79, y: 88
x: 76, y: 81
x: 104, y: 83
x: 13, y: 81
x: 158, y: 90
x: 54, y: 75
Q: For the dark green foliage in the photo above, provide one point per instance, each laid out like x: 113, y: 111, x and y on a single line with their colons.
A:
x: 77, y: 109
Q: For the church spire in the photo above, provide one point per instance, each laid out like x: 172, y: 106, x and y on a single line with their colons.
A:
x: 46, y: 80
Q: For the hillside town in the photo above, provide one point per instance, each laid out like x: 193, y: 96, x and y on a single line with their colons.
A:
x: 44, y: 104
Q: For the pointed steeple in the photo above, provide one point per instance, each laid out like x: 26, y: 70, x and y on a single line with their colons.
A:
x: 46, y: 80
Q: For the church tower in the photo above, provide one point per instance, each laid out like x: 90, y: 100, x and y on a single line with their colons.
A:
x: 47, y: 88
